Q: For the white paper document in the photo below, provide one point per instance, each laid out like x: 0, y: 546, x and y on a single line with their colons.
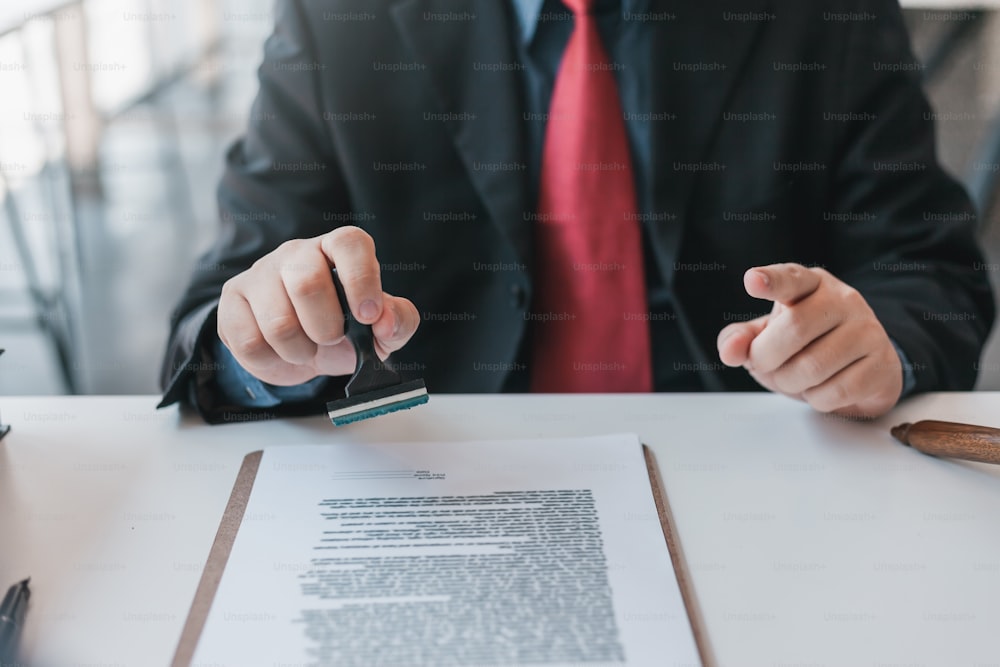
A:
x: 544, y: 552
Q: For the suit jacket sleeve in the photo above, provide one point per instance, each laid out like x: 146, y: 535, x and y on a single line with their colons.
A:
x: 905, y: 235
x: 280, y: 183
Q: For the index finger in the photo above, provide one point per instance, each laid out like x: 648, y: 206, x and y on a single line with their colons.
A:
x: 786, y: 284
x: 352, y: 251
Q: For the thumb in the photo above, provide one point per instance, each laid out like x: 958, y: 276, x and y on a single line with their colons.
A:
x: 734, y: 340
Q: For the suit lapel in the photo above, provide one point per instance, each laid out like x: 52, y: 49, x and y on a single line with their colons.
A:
x: 698, y: 52
x: 476, y: 77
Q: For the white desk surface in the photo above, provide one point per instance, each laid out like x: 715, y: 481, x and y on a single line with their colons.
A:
x: 810, y: 540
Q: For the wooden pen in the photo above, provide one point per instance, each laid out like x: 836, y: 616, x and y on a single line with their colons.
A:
x: 951, y: 439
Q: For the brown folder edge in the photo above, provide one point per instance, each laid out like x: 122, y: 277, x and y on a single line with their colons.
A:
x: 677, y: 558
x: 217, y: 559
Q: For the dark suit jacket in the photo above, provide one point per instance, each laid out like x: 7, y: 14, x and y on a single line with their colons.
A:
x: 405, y: 118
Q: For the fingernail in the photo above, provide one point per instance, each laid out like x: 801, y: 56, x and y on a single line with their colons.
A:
x: 368, y: 310
x: 395, y: 323
x: 764, y: 278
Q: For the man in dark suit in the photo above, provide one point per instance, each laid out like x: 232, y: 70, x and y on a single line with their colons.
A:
x: 792, y: 227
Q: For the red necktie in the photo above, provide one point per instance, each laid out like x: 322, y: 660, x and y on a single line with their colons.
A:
x: 591, y: 330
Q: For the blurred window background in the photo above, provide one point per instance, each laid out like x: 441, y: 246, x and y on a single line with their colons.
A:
x: 114, y: 117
